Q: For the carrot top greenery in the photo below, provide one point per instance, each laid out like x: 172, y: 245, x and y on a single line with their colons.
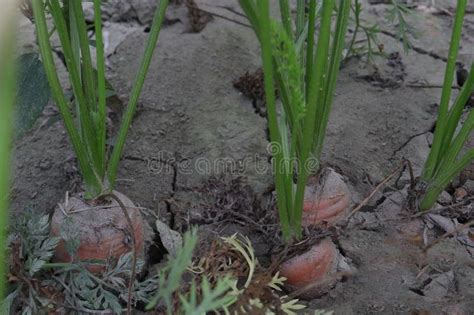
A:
x: 86, y: 124
x: 305, y: 72
x: 445, y: 160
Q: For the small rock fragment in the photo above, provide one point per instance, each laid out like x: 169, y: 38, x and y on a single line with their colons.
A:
x: 457, y: 309
x: 469, y: 186
x: 445, y: 198
x: 440, y: 286
x: 460, y: 193
x: 171, y: 239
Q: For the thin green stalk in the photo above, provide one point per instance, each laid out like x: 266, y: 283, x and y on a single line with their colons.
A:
x: 310, y: 45
x: 293, y: 130
x: 301, y: 25
x: 301, y: 41
x: 286, y: 17
x: 437, y: 186
x: 87, y: 69
x: 458, y: 143
x: 136, y: 90
x: 71, y: 24
x: 88, y: 84
x: 356, y: 11
x: 52, y: 31
x: 300, y: 16
x: 67, y: 13
x: 443, y: 162
x: 250, y: 10
x: 321, y: 97
x: 264, y: 22
x: 7, y: 94
x: 285, y: 168
x: 456, y: 111
x: 102, y: 108
x: 293, y: 122
x: 288, y: 70
x: 89, y: 132
x: 93, y: 183
x: 315, y: 86
x: 434, y: 156
x: 334, y: 65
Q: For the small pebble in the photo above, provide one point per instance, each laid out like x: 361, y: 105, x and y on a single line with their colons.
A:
x: 469, y: 185
x: 445, y: 198
x: 45, y: 165
x: 460, y: 193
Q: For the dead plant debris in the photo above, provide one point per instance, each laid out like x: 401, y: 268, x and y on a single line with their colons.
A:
x: 391, y: 76
x: 252, y: 86
x: 231, y: 199
x: 198, y: 19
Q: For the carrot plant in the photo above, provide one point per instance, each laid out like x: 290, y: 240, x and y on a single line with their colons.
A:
x: 305, y: 72
x: 445, y: 161
x: 7, y: 88
x: 370, y: 45
x: 86, y: 124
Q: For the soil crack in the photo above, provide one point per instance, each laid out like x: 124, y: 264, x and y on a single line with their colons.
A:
x: 169, y: 201
x: 404, y: 144
x: 417, y: 49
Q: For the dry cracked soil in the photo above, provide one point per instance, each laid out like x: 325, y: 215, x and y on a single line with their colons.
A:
x: 193, y: 125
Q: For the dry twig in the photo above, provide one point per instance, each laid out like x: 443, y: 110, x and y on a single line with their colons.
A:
x: 376, y: 189
x: 447, y: 234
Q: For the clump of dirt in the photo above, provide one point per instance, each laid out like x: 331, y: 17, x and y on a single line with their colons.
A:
x: 252, y: 86
x: 390, y: 76
x: 226, y: 201
x: 198, y: 18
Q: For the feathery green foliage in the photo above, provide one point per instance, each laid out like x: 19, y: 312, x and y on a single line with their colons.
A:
x: 305, y: 75
x: 169, y: 283
x: 396, y: 15
x: 213, y: 299
x: 88, y: 135
x: 257, y: 304
x: 31, y: 248
x: 370, y: 45
x: 444, y: 160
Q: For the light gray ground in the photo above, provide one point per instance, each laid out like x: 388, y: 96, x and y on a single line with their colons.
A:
x: 189, y: 113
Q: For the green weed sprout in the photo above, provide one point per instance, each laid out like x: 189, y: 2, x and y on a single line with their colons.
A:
x: 396, y: 16
x: 444, y: 161
x: 88, y: 135
x: 170, y: 279
x: 305, y: 75
x: 370, y: 46
x: 7, y: 88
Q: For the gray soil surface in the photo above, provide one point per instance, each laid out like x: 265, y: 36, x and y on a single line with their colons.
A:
x: 191, y: 122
